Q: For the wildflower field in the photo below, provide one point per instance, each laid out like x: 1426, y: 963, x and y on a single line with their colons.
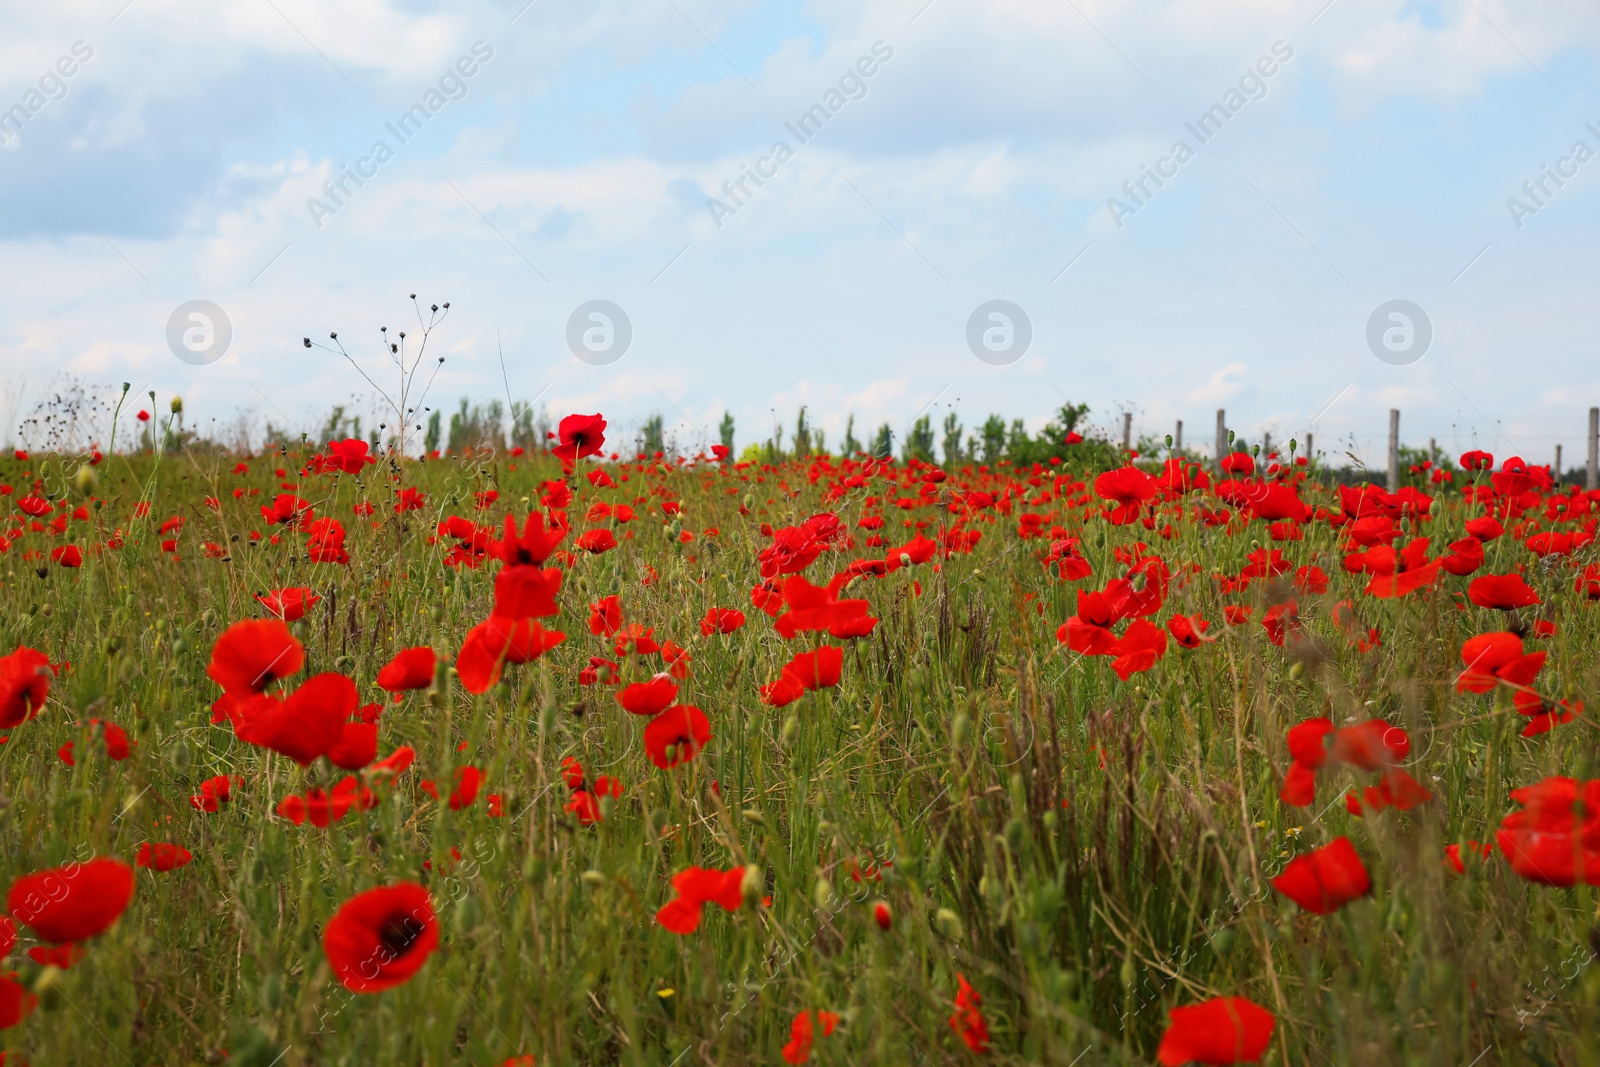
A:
x: 579, y: 756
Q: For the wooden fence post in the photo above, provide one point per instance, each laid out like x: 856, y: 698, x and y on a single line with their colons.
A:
x: 1394, y: 450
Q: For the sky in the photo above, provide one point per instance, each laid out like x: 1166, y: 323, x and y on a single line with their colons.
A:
x: 1186, y: 204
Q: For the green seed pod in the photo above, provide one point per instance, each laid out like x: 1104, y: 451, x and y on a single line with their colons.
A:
x: 791, y: 729
x: 468, y: 912
x: 960, y: 729
x: 948, y: 922
x: 86, y: 481
x: 751, y: 885
x: 823, y: 893
x: 271, y: 993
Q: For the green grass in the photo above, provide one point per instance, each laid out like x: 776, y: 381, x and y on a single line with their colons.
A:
x: 962, y: 752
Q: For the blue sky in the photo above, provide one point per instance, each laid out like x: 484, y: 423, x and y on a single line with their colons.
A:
x: 1375, y: 163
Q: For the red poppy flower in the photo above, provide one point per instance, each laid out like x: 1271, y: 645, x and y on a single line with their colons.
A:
x: 597, y: 541
x: 412, y: 668
x: 676, y: 735
x: 782, y: 692
x: 1129, y: 488
x: 1476, y: 460
x: 325, y: 542
x: 968, y: 1021
x: 306, y: 724
x: 468, y: 780
x: 381, y: 938
x: 793, y: 549
x: 1396, y: 789
x: 1089, y: 631
x: 1220, y: 1030
x: 695, y: 888
x: 215, y: 792
x: 1502, y: 591
x: 817, y: 670
x: 394, y: 763
x: 67, y: 556
x: 349, y: 456
x: 24, y: 685
x: 163, y: 856
x: 802, y: 1034
x: 1466, y: 556
x: 74, y: 902
x: 532, y: 547
x: 289, y: 604
x: 16, y: 1003
x: 114, y: 738
x: 288, y: 510
x: 1494, y: 658
x: 1555, y: 838
x: 605, y: 616
x: 498, y: 641
x: 1188, y: 632
x: 526, y: 592
x: 636, y: 639
x: 648, y: 698
x: 356, y: 747
x: 721, y: 621
x: 579, y: 436
x: 813, y: 608
x: 1452, y: 855
x: 1138, y: 649
x: 586, y: 805
x: 251, y: 655
x: 1326, y: 880
x: 882, y: 915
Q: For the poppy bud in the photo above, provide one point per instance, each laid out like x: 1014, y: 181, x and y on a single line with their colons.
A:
x: 176, y: 405
x: 467, y: 914
x: 882, y: 915
x: 948, y: 922
x: 271, y: 993
x: 594, y: 878
x: 86, y: 480
x: 47, y: 987
x: 791, y: 727
x: 751, y: 885
x: 960, y: 729
x: 824, y: 893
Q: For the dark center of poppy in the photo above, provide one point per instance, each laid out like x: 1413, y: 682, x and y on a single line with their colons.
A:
x: 399, y: 932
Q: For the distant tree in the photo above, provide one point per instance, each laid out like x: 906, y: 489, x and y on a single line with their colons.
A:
x: 850, y: 446
x: 431, y: 440
x: 994, y: 439
x: 883, y: 444
x: 802, y: 435
x: 952, y: 440
x: 725, y: 432
x: 919, y: 442
x: 651, y: 436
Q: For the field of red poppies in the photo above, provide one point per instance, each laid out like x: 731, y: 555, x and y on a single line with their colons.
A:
x: 582, y: 756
